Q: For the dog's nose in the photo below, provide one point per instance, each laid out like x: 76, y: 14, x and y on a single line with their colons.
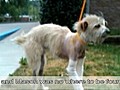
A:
x: 107, y: 31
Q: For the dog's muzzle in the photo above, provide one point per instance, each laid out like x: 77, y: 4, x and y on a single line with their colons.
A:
x: 105, y: 33
x: 101, y: 39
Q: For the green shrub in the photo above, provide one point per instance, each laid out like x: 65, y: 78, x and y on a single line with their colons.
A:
x: 62, y: 12
x: 23, y: 61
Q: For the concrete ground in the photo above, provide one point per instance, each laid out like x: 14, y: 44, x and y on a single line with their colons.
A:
x: 10, y: 53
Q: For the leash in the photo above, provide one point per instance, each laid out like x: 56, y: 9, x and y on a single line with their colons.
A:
x: 82, y: 9
x: 80, y: 18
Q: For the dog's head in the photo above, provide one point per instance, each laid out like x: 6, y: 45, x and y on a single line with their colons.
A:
x: 92, y: 28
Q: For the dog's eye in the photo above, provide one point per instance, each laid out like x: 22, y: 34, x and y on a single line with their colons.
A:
x: 97, y: 26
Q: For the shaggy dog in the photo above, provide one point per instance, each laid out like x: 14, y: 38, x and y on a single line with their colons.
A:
x: 61, y: 42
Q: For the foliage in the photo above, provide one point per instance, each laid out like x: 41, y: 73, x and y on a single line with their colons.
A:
x: 23, y: 61
x: 2, y: 7
x: 63, y: 12
x: 33, y: 11
x: 15, y: 8
x: 14, y: 12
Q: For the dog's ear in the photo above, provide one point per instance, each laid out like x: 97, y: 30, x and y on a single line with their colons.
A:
x: 80, y: 26
x: 84, y: 26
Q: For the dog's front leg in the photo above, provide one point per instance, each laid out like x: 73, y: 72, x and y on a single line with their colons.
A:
x: 80, y: 67
x: 71, y: 69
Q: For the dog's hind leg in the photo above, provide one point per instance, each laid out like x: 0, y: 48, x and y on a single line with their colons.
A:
x: 36, y: 60
x: 43, y: 60
x: 39, y: 66
x: 38, y: 70
x: 42, y: 65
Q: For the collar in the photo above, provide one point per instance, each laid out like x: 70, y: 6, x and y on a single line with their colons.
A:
x: 83, y: 42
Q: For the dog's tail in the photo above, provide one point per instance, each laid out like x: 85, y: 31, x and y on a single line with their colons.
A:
x: 20, y: 39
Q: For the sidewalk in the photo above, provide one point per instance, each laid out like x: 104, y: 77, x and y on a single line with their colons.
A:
x: 10, y: 53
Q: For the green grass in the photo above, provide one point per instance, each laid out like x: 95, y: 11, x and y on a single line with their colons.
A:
x: 114, y: 31
x: 101, y: 60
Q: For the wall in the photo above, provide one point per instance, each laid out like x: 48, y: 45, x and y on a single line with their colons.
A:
x: 110, y: 9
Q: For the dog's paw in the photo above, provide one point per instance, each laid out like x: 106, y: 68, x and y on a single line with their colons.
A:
x: 45, y: 88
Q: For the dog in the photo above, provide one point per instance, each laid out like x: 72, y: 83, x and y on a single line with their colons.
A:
x: 63, y: 43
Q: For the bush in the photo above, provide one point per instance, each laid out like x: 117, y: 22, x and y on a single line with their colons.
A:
x: 62, y: 12
x: 23, y: 61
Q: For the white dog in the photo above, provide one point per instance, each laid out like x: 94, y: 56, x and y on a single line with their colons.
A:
x: 61, y: 42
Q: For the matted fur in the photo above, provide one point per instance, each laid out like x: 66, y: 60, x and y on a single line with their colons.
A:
x: 42, y: 38
x: 49, y: 36
x: 61, y: 42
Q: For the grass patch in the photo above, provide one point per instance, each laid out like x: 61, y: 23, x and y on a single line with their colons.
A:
x: 23, y: 61
x: 115, y: 32
x: 101, y: 60
x: 23, y: 70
